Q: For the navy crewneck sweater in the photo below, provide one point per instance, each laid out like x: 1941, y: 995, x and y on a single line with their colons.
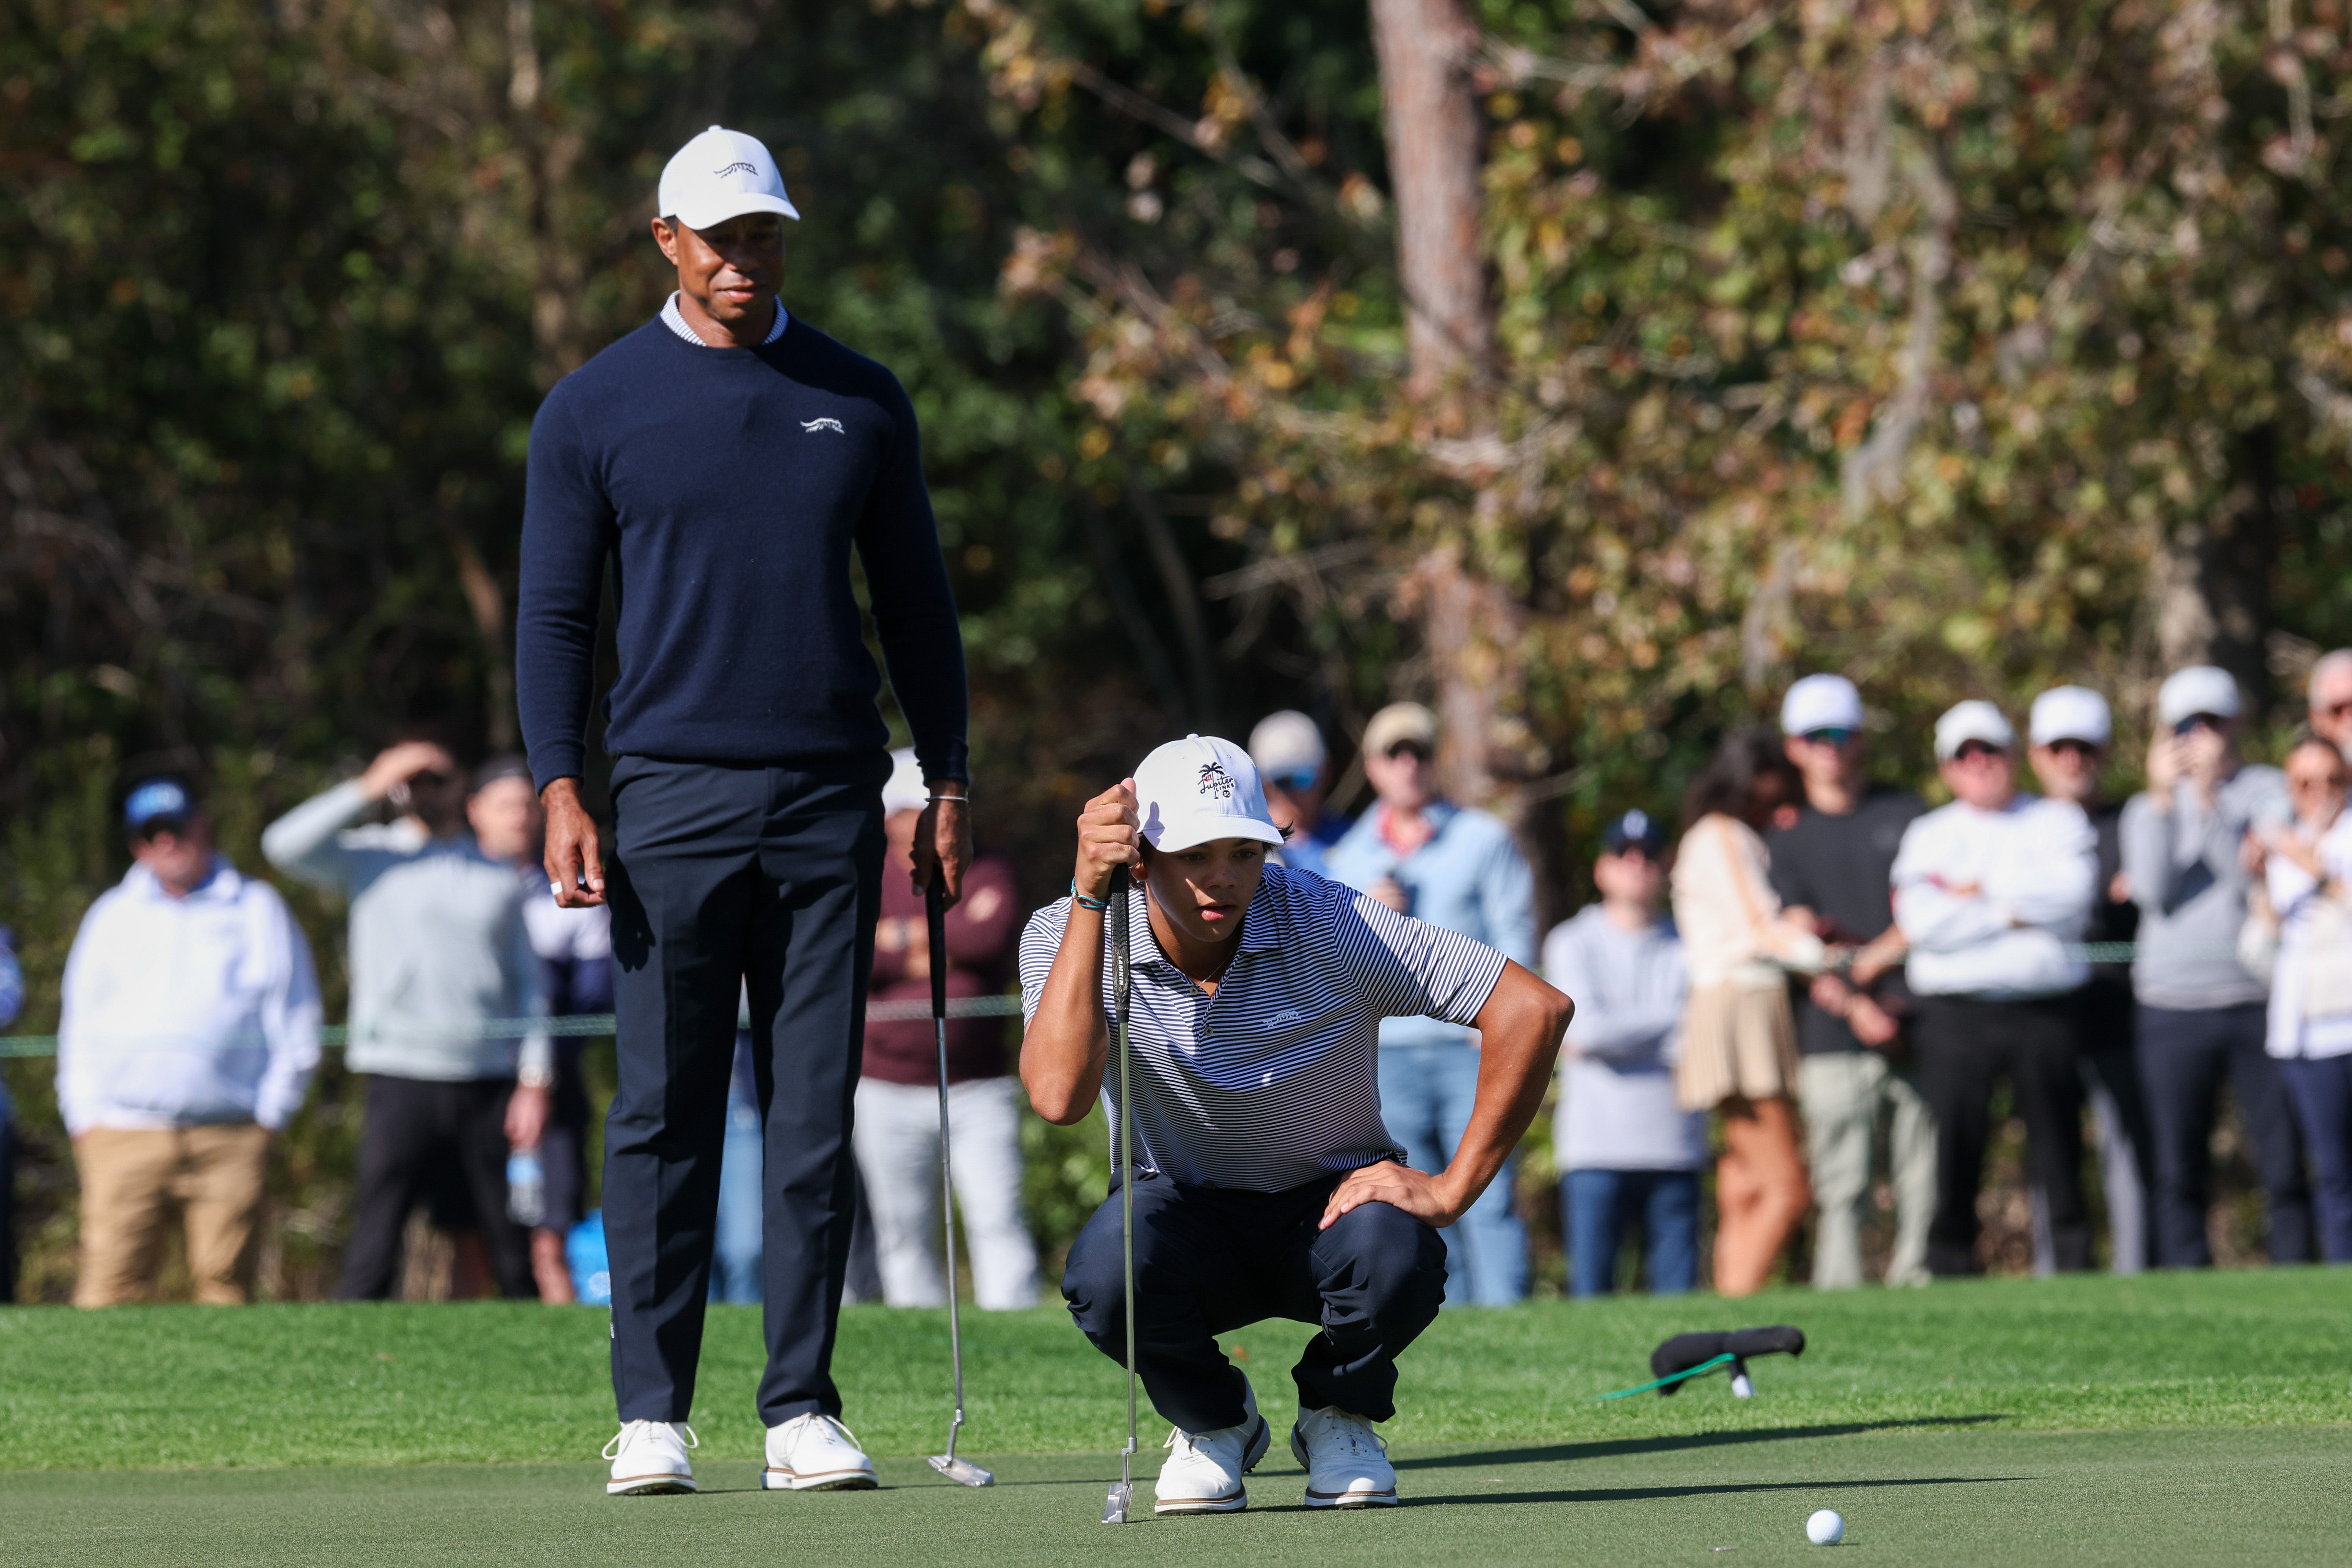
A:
x: 728, y: 486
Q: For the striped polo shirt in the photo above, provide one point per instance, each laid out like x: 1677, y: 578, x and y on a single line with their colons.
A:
x: 1273, y: 1082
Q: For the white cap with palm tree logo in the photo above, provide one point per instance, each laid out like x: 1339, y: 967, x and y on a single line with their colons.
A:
x: 1198, y: 790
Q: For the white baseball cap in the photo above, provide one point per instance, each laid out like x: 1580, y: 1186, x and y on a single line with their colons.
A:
x: 2070, y: 713
x: 1198, y: 790
x: 1288, y: 744
x: 2200, y: 688
x: 1974, y: 720
x: 720, y: 175
x: 1821, y: 702
x: 906, y: 790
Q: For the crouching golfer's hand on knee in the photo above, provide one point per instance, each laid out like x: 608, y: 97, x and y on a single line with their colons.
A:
x: 1519, y: 1032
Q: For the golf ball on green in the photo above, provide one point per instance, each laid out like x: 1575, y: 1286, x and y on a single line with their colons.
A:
x: 1825, y: 1528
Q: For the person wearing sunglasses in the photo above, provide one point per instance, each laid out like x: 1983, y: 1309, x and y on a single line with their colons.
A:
x: 1287, y: 747
x: 439, y: 947
x: 1457, y: 868
x: 1992, y: 892
x: 2202, y: 1013
x: 2307, y: 866
x: 1834, y: 862
x: 2069, y: 730
x: 2328, y: 693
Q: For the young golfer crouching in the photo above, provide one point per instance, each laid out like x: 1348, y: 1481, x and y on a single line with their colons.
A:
x: 1265, y: 1185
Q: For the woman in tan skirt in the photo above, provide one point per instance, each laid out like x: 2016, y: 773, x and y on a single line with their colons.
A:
x: 1740, y: 1039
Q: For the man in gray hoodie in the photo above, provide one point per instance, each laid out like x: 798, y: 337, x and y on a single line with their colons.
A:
x: 438, y: 949
x: 2201, y: 1013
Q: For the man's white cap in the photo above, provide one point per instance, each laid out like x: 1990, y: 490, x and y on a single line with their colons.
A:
x: 720, y: 175
x: 1285, y: 744
x: 1974, y: 720
x: 906, y: 790
x: 2200, y: 688
x: 1821, y: 702
x: 2070, y: 713
x: 1198, y: 790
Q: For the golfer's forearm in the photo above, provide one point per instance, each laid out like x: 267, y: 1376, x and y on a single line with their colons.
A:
x: 1520, y: 1029
x: 1067, y: 1044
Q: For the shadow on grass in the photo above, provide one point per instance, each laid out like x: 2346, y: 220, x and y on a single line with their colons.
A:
x: 1564, y: 1452
x: 1653, y: 1494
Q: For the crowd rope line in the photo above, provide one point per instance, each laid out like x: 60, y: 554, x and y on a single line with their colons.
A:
x: 335, y: 1035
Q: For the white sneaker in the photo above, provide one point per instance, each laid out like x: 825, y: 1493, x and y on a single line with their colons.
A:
x: 1204, y: 1475
x: 649, y: 1458
x: 815, y: 1453
x: 1347, y: 1464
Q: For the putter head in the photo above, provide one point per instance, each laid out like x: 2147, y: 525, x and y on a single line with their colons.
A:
x: 1119, y: 1505
x: 963, y: 1472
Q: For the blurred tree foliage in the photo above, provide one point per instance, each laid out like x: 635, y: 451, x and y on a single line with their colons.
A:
x: 1961, y: 344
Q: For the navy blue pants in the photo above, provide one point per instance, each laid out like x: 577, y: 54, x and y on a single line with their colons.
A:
x: 1209, y: 1260
x: 2320, y: 1088
x: 722, y: 874
x: 1598, y: 1207
x: 2184, y: 1054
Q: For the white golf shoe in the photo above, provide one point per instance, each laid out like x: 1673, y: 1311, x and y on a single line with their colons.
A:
x: 649, y: 1458
x: 1203, y: 1472
x: 815, y: 1453
x: 1347, y: 1464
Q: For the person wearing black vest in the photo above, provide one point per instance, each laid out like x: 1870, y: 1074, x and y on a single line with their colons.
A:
x: 725, y: 460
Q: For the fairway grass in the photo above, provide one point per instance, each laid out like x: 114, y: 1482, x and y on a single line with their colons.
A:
x: 2167, y: 1418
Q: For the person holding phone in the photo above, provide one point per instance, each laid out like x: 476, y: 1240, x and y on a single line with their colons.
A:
x: 2201, y: 1014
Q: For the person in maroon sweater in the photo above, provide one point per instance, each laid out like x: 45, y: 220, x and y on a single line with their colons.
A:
x: 897, y: 1125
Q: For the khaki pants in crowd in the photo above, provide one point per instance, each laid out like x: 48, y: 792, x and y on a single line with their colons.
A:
x: 131, y: 1184
x: 1841, y: 1094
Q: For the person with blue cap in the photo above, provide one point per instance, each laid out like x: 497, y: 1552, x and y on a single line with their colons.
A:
x: 1266, y: 1184
x: 1629, y: 1156
x: 188, y: 1035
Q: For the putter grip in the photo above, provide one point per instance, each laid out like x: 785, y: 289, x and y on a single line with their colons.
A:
x: 935, y: 915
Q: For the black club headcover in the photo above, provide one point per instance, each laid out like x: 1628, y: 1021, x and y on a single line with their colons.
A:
x: 1686, y: 1351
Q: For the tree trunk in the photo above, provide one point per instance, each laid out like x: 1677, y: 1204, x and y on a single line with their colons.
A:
x: 2211, y: 584
x: 1423, y: 47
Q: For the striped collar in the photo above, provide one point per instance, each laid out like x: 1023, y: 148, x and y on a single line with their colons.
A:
x: 675, y: 322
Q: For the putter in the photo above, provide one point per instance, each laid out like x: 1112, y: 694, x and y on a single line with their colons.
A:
x: 1684, y: 1353
x: 1119, y: 1507
x: 963, y: 1472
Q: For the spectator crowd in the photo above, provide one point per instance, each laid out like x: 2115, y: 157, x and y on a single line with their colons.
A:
x: 1815, y: 981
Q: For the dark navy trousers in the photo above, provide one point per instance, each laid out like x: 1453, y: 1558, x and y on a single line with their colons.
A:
x: 1209, y: 1260
x: 720, y: 876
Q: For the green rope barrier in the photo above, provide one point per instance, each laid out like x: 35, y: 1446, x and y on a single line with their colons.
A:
x: 1671, y: 1377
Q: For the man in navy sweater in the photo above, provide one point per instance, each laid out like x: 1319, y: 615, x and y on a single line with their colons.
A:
x: 725, y: 460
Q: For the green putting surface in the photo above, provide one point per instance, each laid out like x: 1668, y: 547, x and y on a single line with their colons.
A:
x: 2172, y: 1418
x: 1945, y: 1495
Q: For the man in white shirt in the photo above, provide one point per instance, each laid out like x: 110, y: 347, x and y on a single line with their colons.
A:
x: 189, y: 1033
x: 1990, y: 893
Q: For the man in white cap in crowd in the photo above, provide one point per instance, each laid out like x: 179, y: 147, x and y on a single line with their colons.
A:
x: 1287, y: 747
x: 723, y: 462
x: 1992, y: 893
x: 1456, y: 867
x: 2070, y: 732
x: 2328, y: 696
x: 2202, y: 1014
x: 1266, y: 1184
x: 1834, y: 860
